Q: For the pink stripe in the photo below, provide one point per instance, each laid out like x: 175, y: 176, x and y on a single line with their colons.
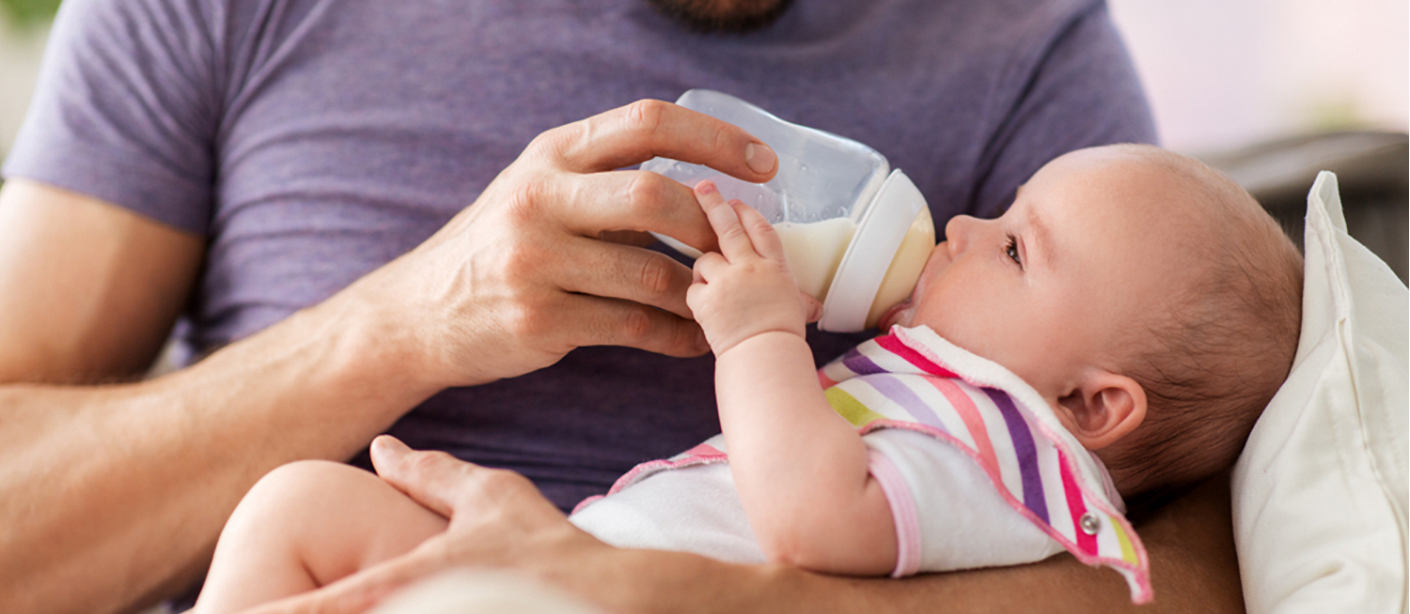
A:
x: 701, y: 452
x: 969, y: 413
x: 903, y: 512
x: 586, y: 502
x: 1087, y: 543
x: 826, y: 381
x: 895, y: 346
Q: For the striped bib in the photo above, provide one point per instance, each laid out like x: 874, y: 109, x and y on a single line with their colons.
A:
x: 900, y: 379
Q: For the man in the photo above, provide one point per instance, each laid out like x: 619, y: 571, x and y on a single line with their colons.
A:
x: 291, y: 178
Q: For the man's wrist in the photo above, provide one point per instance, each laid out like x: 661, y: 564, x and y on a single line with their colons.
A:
x: 372, y: 347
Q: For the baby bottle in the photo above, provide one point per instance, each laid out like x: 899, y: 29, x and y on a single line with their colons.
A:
x: 856, y: 234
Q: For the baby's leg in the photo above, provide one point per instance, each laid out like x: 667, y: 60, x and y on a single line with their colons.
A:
x: 305, y: 525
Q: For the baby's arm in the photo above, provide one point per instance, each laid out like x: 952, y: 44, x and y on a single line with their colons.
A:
x: 307, y: 524
x: 801, y: 470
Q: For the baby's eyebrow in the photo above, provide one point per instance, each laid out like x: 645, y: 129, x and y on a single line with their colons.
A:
x: 1042, y: 238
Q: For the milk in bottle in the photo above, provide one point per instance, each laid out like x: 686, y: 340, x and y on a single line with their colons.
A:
x: 856, y: 234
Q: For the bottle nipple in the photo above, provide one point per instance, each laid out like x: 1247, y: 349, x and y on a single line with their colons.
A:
x: 906, y: 267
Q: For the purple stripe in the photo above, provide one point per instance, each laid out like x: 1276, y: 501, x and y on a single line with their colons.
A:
x: 892, y: 388
x: 861, y: 365
x: 1022, y: 438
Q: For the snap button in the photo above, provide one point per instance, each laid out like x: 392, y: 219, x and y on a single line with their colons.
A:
x: 1089, y: 523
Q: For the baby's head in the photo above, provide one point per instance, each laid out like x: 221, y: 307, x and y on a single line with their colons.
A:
x: 1149, y: 299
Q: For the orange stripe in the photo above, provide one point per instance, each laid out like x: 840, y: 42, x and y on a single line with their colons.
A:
x: 969, y: 414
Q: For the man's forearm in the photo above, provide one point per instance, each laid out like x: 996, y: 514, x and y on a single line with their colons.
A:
x: 112, y: 495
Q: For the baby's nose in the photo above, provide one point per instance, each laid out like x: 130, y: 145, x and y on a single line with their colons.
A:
x: 957, y: 231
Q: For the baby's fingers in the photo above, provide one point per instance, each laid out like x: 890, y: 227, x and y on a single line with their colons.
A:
x: 708, y: 267
x: 733, y: 239
x: 762, y: 236
x: 812, y: 308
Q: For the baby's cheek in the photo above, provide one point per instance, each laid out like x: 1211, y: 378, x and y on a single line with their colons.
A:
x: 1044, y: 355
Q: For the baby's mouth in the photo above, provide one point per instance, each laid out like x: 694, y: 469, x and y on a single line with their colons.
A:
x: 888, y: 318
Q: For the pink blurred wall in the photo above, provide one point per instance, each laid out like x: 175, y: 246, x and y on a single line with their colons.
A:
x: 1225, y: 73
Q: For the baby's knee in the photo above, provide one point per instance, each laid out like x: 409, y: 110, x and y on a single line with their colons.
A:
x: 308, y: 476
x: 306, y: 485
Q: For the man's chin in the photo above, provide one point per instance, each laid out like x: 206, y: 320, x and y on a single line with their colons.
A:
x: 726, y: 16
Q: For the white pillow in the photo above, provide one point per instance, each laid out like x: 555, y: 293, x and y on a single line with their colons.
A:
x: 1319, y: 495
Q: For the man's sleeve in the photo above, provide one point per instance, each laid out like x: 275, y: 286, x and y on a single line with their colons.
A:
x: 126, y: 108
x: 1082, y: 92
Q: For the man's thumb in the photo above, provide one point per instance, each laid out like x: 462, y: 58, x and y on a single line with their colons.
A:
x: 427, y: 477
x: 388, y: 454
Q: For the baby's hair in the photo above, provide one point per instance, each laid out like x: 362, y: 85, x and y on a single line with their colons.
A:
x: 1227, y: 343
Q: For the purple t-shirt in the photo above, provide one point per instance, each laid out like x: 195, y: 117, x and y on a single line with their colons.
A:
x: 311, y: 141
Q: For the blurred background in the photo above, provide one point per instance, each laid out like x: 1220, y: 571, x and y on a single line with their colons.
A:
x: 1268, y: 90
x: 1222, y: 74
x: 1272, y: 91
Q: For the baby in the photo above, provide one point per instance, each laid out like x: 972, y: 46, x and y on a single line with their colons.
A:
x: 1116, y: 332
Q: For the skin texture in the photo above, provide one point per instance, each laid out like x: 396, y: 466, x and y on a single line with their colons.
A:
x: 126, y: 485
x: 1093, y: 247
x: 305, y: 525
x: 501, y: 521
x: 149, y: 471
x: 1014, y: 284
x: 1078, y: 229
x: 61, y: 245
x: 801, y: 470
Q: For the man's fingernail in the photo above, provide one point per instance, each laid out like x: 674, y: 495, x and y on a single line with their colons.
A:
x: 759, y: 157
x: 386, y: 444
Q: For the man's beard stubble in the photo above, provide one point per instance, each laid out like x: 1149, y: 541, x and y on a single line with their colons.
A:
x: 726, y: 16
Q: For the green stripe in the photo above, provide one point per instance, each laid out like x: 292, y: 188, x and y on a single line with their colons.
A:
x: 850, y: 408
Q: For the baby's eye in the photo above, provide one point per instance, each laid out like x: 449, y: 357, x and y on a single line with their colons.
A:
x: 1011, y: 250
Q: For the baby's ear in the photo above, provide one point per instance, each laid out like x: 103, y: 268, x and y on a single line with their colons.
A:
x: 1104, y: 408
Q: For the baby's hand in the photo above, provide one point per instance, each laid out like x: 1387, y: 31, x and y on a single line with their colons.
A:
x: 745, y: 289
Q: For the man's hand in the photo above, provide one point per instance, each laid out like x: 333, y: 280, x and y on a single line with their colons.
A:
x: 497, y: 520
x: 744, y: 289
x: 522, y: 276
x: 508, y: 286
